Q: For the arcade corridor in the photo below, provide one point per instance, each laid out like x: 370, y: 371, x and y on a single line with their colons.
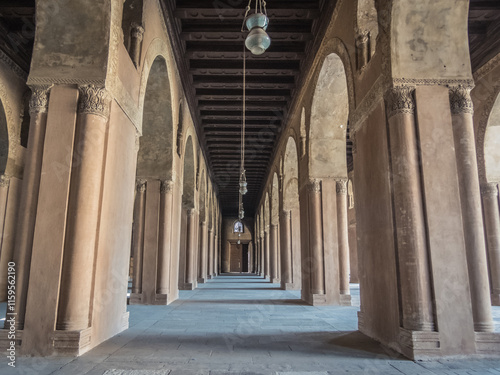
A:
x: 242, y: 324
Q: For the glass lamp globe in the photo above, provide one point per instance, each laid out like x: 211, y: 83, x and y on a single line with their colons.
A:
x: 257, y: 40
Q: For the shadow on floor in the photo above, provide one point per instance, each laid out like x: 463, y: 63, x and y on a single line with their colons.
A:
x: 351, y: 344
x: 256, y: 289
x: 245, y: 301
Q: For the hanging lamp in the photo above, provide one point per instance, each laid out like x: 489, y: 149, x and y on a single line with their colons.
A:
x: 257, y: 42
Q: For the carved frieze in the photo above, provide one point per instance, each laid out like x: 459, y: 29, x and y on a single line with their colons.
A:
x: 140, y: 185
x: 286, y: 214
x: 39, y: 101
x: 314, y: 186
x: 4, y: 181
x: 460, y: 100
x: 137, y: 31
x: 94, y: 100
x: 341, y: 186
x: 166, y: 187
x: 400, y: 100
x: 489, y: 190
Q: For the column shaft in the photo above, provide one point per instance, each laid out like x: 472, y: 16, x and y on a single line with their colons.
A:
x: 409, y: 213
x: 472, y: 216
x: 210, y: 253
x: 202, y: 268
x: 138, y: 237
x: 286, y: 248
x: 492, y: 226
x: 267, y: 253
x: 83, y: 209
x: 216, y: 255
x: 273, y: 239
x: 343, y: 236
x: 136, y: 36
x: 190, y: 247
x: 165, y: 238
x: 29, y: 198
x: 316, y: 238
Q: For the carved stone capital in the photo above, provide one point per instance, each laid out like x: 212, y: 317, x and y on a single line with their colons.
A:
x: 314, y: 186
x: 362, y: 38
x: 460, y: 100
x: 94, y: 100
x: 400, y: 100
x: 489, y: 190
x: 203, y: 223
x: 166, y: 186
x: 286, y: 214
x: 4, y: 181
x: 341, y: 186
x: 262, y: 234
x: 140, y: 185
x: 191, y: 212
x: 137, y: 31
x: 39, y: 101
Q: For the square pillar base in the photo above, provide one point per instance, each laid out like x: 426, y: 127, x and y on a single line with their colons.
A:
x: 140, y: 299
x: 345, y: 300
x: 202, y: 280
x: 495, y: 299
x: 187, y: 286
x: 72, y: 343
x: 419, y: 345
x: 290, y: 286
x: 488, y: 343
x: 275, y: 280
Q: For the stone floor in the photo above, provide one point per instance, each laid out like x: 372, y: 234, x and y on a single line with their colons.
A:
x: 243, y: 325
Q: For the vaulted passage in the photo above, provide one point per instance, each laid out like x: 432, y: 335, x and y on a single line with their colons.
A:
x: 242, y: 324
x: 177, y: 194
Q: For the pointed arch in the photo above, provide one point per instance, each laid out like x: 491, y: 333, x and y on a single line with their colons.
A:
x: 491, y: 144
x: 329, y: 118
x: 188, y: 175
x: 275, y: 200
x: 155, y: 153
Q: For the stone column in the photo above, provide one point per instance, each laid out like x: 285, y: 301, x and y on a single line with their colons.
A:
x: 216, y: 254
x: 343, y: 236
x: 267, y: 252
x: 409, y: 213
x: 491, y: 208
x: 136, y: 35
x: 165, y: 237
x: 202, y: 268
x: 190, y: 249
x: 83, y: 209
x: 138, y: 236
x: 262, y: 255
x: 362, y: 50
x: 210, y: 253
x: 273, y: 241
x: 472, y: 216
x: 25, y: 228
x: 286, y: 249
x: 316, y: 238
